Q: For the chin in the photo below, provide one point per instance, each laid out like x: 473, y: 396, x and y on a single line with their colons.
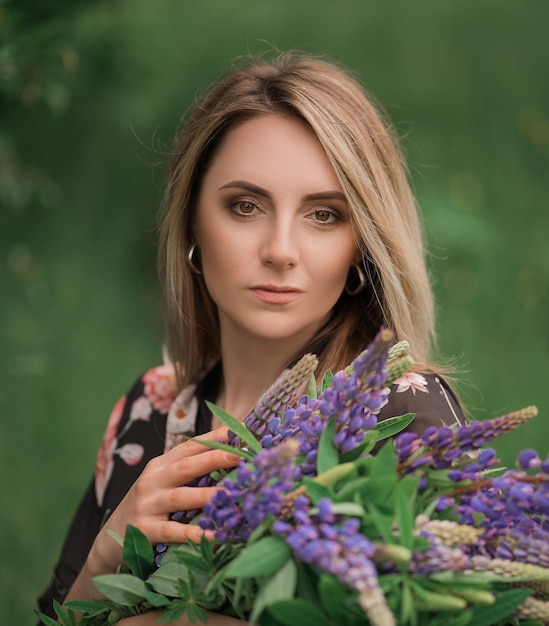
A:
x: 299, y: 336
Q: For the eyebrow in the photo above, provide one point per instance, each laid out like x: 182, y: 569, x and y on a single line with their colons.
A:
x: 320, y: 195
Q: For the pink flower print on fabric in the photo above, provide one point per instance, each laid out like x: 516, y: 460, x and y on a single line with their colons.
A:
x: 141, y: 410
x: 104, y: 463
x: 160, y: 387
x: 413, y: 381
x: 131, y: 453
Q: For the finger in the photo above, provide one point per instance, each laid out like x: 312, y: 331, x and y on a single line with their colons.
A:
x: 175, y: 532
x: 192, y: 447
x: 187, y: 498
x: 183, y: 471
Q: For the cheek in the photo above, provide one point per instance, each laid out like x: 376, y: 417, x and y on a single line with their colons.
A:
x: 331, y: 268
x: 221, y: 253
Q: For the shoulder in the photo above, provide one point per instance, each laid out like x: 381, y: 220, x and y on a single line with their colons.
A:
x: 154, y: 391
x: 136, y: 425
x: 428, y: 396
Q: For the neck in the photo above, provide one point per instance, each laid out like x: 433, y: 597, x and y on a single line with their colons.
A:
x: 248, y: 370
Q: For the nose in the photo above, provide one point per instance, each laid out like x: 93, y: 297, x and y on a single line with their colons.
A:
x: 280, y: 247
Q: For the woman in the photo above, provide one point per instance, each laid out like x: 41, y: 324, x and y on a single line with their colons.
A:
x: 288, y: 227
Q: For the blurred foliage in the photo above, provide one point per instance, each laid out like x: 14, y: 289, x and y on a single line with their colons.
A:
x: 91, y: 94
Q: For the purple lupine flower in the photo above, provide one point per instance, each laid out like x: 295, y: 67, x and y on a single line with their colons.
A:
x: 444, y: 503
x: 513, y: 510
x: 528, y: 459
x: 487, y: 458
x: 444, y: 445
x: 354, y: 398
x: 339, y: 550
x: 438, y: 558
x: 525, y: 549
x: 406, y: 445
x: 257, y: 492
x: 275, y: 400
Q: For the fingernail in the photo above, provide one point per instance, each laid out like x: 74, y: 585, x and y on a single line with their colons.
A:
x: 209, y: 534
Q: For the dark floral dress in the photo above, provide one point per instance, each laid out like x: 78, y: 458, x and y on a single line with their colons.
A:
x: 152, y: 418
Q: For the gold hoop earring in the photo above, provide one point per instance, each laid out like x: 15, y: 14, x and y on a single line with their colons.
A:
x: 361, y: 281
x: 190, y: 260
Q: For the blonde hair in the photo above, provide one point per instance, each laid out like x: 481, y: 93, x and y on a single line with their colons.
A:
x: 365, y: 155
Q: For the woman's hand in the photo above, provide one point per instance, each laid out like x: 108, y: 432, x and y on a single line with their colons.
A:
x: 150, y: 619
x: 159, y: 491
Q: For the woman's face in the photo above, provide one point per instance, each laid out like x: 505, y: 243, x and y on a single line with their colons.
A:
x: 274, y: 232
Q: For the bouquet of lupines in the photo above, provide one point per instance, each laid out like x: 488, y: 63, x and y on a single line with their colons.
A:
x: 312, y: 528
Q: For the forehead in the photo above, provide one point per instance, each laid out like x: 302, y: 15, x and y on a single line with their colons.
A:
x: 275, y: 148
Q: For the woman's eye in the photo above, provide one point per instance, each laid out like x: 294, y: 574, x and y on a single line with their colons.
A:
x: 325, y: 216
x: 243, y: 207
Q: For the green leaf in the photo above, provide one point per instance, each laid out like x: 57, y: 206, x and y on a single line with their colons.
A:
x: 235, y: 425
x: 206, y: 549
x: 193, y: 562
x: 473, y: 595
x: 137, y: 552
x: 440, y: 600
x: 267, y: 620
x: 312, y: 390
x: 506, y: 602
x: 115, y: 536
x: 333, y: 597
x: 123, y: 589
x: 93, y: 607
x: 280, y: 586
x: 378, y: 491
x: 217, y: 445
x: 297, y: 611
x: 345, y: 508
x: 382, y: 523
x: 258, y: 532
x: 48, y: 621
x: 393, y: 425
x: 158, y: 600
x: 166, y: 578
x: 66, y: 616
x: 315, y: 491
x: 259, y: 559
x: 480, y: 579
x: 174, y: 611
x: 408, y: 613
x: 384, y: 461
x: 327, y: 452
x: 326, y: 379
x: 405, y: 495
x: 334, y: 474
x: 306, y: 583
x: 449, y: 618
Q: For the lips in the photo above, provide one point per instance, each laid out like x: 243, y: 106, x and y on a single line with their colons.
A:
x: 276, y: 294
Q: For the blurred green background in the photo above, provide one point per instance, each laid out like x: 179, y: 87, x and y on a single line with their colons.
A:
x: 90, y: 96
